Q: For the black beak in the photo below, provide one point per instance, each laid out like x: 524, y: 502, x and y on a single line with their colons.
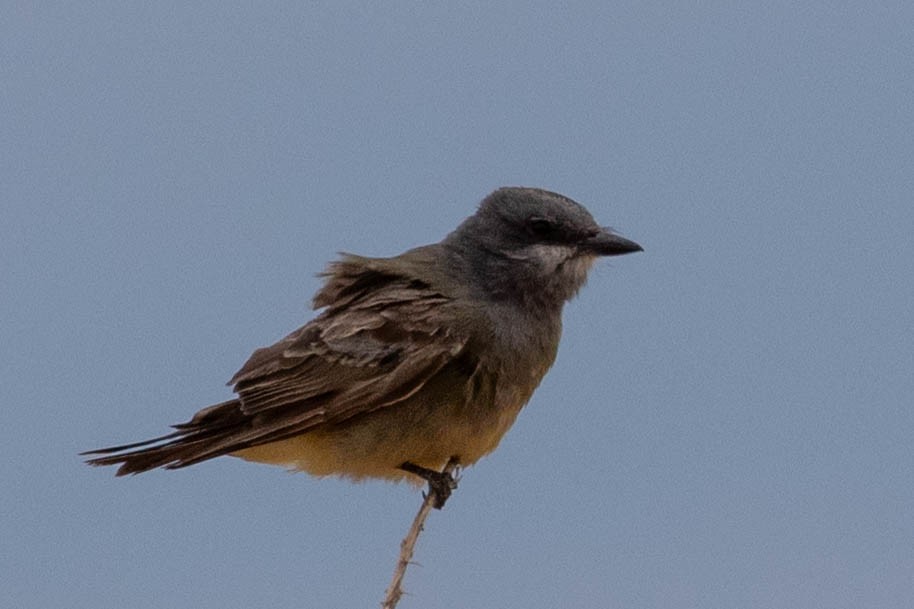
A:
x: 608, y: 243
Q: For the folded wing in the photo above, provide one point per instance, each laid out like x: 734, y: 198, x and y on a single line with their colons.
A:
x: 380, y: 339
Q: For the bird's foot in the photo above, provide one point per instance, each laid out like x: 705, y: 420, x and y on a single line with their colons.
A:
x: 440, y: 484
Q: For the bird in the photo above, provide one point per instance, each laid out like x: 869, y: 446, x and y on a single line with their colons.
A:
x: 413, y: 362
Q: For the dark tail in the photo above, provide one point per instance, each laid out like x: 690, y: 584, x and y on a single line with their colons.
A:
x: 209, y: 434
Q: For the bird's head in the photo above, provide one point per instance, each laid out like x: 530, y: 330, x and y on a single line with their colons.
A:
x: 535, y: 244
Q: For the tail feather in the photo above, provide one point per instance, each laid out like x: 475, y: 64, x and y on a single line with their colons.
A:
x: 191, y: 443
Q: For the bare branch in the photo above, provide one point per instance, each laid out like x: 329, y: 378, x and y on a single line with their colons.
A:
x: 408, y: 545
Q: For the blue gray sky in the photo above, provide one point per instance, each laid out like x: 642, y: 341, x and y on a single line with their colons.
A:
x: 729, y: 421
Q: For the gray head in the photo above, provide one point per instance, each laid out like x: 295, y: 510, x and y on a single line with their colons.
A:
x: 534, y: 245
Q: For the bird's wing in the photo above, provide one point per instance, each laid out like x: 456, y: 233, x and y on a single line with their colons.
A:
x: 380, y: 339
x: 373, y: 353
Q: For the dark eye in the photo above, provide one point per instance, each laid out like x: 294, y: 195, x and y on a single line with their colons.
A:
x: 541, y: 227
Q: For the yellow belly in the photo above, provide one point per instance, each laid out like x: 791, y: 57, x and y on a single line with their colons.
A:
x: 375, y: 444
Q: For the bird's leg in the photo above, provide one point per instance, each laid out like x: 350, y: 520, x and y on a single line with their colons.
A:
x: 440, y: 484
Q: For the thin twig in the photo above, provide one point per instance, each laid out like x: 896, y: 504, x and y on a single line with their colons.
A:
x: 408, y: 545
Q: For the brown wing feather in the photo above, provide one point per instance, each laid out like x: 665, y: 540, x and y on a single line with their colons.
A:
x: 379, y: 341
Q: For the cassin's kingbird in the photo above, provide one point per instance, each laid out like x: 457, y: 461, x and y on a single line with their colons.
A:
x: 415, y: 361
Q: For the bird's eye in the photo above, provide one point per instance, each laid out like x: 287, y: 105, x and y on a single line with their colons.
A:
x: 541, y: 227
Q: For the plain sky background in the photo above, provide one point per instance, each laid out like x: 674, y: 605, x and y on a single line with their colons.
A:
x: 729, y: 423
